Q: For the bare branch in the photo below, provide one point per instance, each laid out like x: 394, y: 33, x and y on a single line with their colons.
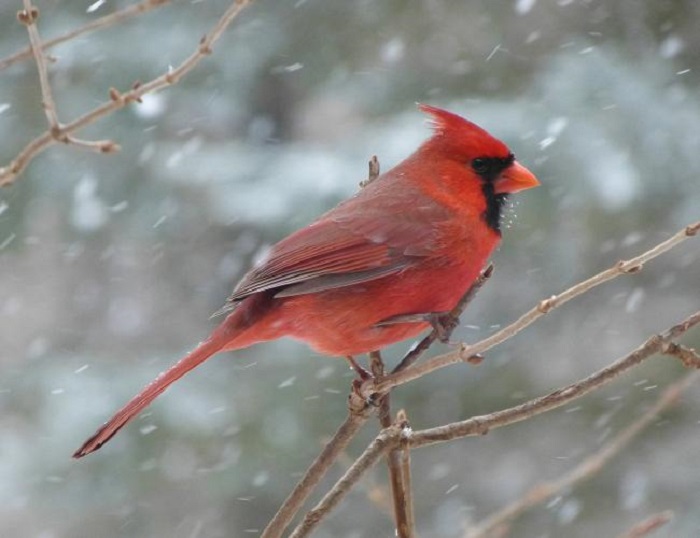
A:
x: 373, y: 172
x: 118, y: 100
x: 649, y: 525
x: 28, y: 16
x: 100, y: 146
x: 622, y: 267
x: 386, y: 439
x: 587, y: 468
x: 396, y: 435
x: 688, y: 356
x: 407, y: 526
x: 400, y: 490
x: 102, y: 22
x: 316, y: 472
x: 482, y: 424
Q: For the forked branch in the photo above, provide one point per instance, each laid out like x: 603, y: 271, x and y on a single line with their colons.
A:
x: 480, y: 425
x: 97, y: 24
x: 119, y: 100
x: 540, y: 493
x: 466, y: 352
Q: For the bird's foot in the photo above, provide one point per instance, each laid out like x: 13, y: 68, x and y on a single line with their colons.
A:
x: 443, y: 323
x: 356, y: 390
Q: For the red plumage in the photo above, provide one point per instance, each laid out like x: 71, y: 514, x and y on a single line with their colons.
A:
x: 410, y: 242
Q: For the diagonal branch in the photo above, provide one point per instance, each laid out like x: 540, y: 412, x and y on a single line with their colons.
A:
x: 118, y: 100
x: 404, y: 460
x: 480, y: 425
x: 689, y: 357
x: 623, y: 267
x: 102, y: 22
x: 386, y: 439
x: 587, y: 468
x: 355, y: 420
x: 28, y: 16
x: 649, y: 525
x: 400, y: 489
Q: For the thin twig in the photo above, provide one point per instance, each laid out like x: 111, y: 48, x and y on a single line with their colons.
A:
x: 399, y: 493
x: 373, y: 174
x: 376, y: 449
x: 391, y: 437
x: 587, y: 468
x: 28, y: 16
x: 100, y: 146
x: 466, y: 352
x: 315, y: 473
x: 376, y: 366
x: 102, y: 22
x: 404, y: 459
x: 118, y: 100
x: 649, y: 525
x: 482, y: 424
x: 688, y: 356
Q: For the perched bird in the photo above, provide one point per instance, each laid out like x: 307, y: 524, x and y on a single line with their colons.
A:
x: 405, y: 247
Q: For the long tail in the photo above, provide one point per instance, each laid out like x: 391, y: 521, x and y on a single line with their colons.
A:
x: 228, y: 335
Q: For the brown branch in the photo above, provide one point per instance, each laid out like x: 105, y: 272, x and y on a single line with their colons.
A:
x: 400, y: 490
x: 404, y: 460
x: 386, y: 439
x: 373, y: 172
x: 688, y: 356
x: 100, y: 146
x: 28, y: 16
x: 118, y: 100
x: 315, y: 473
x: 482, y: 424
x: 467, y: 352
x: 649, y: 525
x: 584, y: 470
x: 392, y: 436
x: 102, y: 22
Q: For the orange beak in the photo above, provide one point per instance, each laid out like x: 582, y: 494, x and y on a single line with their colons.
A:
x: 515, y: 178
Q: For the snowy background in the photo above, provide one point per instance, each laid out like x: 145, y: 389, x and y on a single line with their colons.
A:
x: 111, y: 265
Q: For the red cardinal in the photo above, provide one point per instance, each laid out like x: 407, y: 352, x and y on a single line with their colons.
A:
x: 409, y: 244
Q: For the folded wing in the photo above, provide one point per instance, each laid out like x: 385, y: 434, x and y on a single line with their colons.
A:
x: 348, y: 246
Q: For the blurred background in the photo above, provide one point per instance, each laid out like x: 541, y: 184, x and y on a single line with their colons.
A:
x: 110, y: 265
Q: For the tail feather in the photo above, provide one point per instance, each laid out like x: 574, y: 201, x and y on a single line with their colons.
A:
x: 201, y: 353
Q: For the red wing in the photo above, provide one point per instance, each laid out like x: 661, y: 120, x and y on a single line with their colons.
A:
x: 320, y: 250
x: 370, y: 236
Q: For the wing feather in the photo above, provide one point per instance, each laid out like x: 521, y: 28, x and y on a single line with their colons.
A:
x: 378, y: 232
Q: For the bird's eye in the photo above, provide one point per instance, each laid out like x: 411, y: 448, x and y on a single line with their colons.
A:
x: 480, y: 166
